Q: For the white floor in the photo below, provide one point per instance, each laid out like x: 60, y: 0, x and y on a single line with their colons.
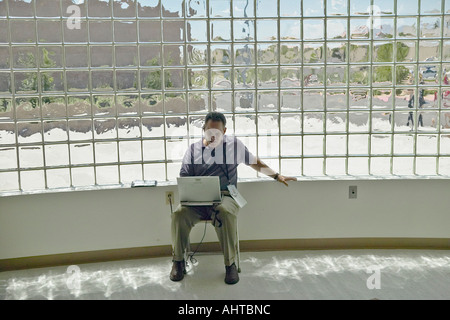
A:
x: 318, y: 274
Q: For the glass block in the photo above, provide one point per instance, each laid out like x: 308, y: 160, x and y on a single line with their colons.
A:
x: 267, y: 77
x: 383, y: 51
x: 383, y: 28
x: 55, y: 131
x: 51, y: 57
x: 431, y: 7
x: 52, y: 81
x: 174, y: 79
x: 313, y: 52
x: 124, y: 9
x: 101, y: 56
x: 26, y: 82
x: 403, y: 144
x: 4, y: 57
x: 244, y: 54
x: 23, y: 31
x: 244, y: 78
x: 4, y: 37
x: 444, y: 166
x: 102, y: 80
x: 145, y: 26
x: 151, y: 79
x: 130, y: 151
x: 127, y: 104
x: 313, y: 29
x: 290, y: 29
x: 220, y: 8
x: 407, y: 28
x: 220, y: 54
x: 156, y: 171
x: 429, y: 50
x: 313, y: 100
x: 358, y: 144
x: 53, y: 107
x: 426, y: 166
x: 31, y: 157
x: 360, y: 7
x: 49, y: 31
x: 221, y: 101
x: 313, y: 145
x: 107, y: 175
x: 176, y: 148
x: 196, y: 31
x: 267, y: 101
x: 267, y: 53
x: 336, y: 28
x: 130, y: 173
x: 173, y: 55
x: 445, y: 75
x: 153, y: 127
x: 380, y: 165
x: 382, y: 99
x: 82, y: 177
x: 404, y: 121
x: 336, y: 8
x: 103, y: 105
x: 173, y: 31
x: 153, y: 150
x: 243, y: 8
x: 427, y: 121
x: 245, y: 101
x: 76, y: 57
x: 313, y: 122
x: 426, y: 144
x: 406, y: 51
x: 196, y: 127
x: 106, y: 152
x: 407, y: 7
x: 359, y: 75
x: 429, y: 74
x: 358, y: 166
x: 445, y: 121
x: 24, y: 57
x: 336, y: 145
x: 446, y: 25
x: 290, y: 77
x: 195, y: 8
x: 220, y: 30
x: 382, y: 75
x: 290, y: 100
x: 78, y: 35
x: 291, y: 167
x: 336, y: 75
x: 244, y: 30
x: 245, y: 124
x: 336, y: 100
x: 359, y: 28
x: 126, y: 56
x: 359, y: 98
x: 359, y: 52
x: 197, y: 54
x: 126, y: 80
x: 381, y: 121
x: 290, y: 123
x: 81, y: 153
x: 150, y: 55
x: 32, y: 180
x: 100, y: 31
x: 290, y: 53
x: 29, y: 132
x: 312, y: 8
x: 313, y: 167
x: 80, y: 129
x: 105, y: 129
x: 78, y: 106
x: 405, y: 74
x: 268, y: 124
x: 176, y: 126
x: 380, y: 144
x: 28, y: 108
x: 6, y: 109
x: 266, y: 8
x: 175, y: 103
x: 268, y: 146
x: 335, y: 166
x: 100, y: 9
x: 9, y: 181
x: 77, y: 81
x: 151, y: 103
x: 336, y: 122
x: 404, y: 98
x: 313, y: 76
x: 444, y: 144
x: 8, y: 158
x: 430, y: 27
x: 336, y: 52
x: 58, y: 178
x: 198, y: 102
x: 128, y: 127
x: 445, y: 50
x: 221, y: 79
x: 358, y: 121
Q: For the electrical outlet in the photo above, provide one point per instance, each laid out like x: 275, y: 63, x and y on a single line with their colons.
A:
x: 169, y: 193
x: 352, y: 192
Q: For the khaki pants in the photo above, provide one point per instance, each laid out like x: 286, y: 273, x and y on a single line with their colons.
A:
x: 185, y: 217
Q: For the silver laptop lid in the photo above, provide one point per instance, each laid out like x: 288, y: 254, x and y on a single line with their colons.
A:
x: 199, y: 190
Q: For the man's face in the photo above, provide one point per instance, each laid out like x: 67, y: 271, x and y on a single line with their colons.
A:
x: 214, y: 131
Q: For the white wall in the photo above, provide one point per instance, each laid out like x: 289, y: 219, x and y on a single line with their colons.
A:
x: 52, y: 223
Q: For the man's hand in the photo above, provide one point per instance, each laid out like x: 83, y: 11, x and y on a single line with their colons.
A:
x: 283, y: 179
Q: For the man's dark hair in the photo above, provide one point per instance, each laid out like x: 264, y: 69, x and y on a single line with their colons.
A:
x: 215, y: 116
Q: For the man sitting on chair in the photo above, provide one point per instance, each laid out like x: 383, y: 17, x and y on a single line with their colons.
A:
x: 201, y: 160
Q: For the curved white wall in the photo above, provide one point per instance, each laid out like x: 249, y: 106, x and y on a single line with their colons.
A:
x: 33, y: 225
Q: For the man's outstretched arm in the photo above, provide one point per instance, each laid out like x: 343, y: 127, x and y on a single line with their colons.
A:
x: 260, y: 166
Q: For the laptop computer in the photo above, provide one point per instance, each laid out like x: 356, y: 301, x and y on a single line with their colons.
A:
x: 199, y: 190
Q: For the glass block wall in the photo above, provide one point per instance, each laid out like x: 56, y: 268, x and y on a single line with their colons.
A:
x: 104, y: 92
